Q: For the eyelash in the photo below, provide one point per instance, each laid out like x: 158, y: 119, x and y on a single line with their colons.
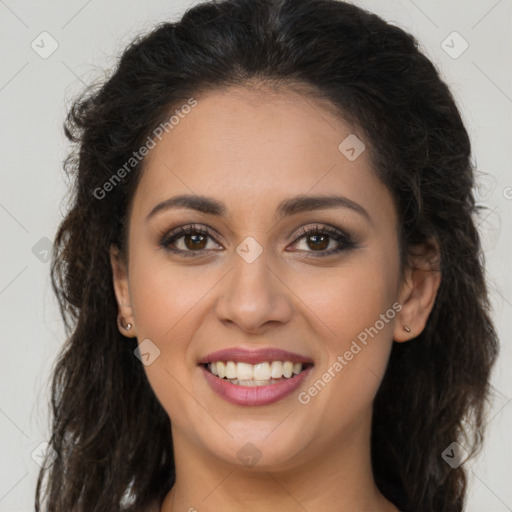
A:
x: 344, y: 239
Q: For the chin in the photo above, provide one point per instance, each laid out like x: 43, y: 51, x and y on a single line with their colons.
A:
x: 266, y: 452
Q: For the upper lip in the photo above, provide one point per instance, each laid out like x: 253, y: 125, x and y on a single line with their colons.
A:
x: 244, y: 355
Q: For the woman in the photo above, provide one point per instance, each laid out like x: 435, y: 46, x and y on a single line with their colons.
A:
x: 270, y: 273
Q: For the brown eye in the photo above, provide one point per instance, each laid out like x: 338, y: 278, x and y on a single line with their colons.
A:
x: 319, y: 242
x: 195, y: 241
x: 187, y: 240
x: 318, y: 238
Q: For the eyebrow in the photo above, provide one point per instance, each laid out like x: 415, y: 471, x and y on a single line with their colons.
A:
x: 289, y: 206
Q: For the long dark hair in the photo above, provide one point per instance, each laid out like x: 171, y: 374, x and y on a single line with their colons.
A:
x: 111, y: 435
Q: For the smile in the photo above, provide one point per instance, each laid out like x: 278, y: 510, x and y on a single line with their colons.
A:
x: 260, y: 374
x: 254, y: 377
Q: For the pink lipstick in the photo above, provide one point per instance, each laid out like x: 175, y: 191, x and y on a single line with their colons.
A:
x: 254, y: 377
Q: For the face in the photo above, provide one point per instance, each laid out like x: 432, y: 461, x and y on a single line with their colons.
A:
x: 250, y: 280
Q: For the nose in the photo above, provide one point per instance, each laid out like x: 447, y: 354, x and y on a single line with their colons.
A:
x: 254, y: 296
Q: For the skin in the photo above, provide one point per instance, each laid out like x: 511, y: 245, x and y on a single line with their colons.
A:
x: 250, y: 150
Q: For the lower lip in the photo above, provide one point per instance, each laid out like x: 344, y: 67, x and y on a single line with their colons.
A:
x: 257, y: 395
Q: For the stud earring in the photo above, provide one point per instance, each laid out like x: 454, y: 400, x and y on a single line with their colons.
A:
x: 127, y: 327
x: 406, y: 328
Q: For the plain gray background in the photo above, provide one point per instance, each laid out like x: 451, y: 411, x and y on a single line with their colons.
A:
x: 35, y: 92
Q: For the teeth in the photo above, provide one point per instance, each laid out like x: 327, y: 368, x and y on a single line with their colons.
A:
x: 244, y: 371
x: 221, y: 369
x: 231, y: 372
x: 288, y: 369
x: 254, y: 383
x: 260, y: 372
x: 276, y: 369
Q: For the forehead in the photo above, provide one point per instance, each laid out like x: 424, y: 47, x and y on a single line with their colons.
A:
x: 252, y: 147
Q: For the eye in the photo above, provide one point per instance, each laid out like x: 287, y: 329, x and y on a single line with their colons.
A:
x: 320, y: 237
x: 187, y: 240
x: 195, y: 239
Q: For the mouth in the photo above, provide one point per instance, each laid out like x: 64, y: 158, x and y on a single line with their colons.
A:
x: 249, y: 377
x: 252, y: 375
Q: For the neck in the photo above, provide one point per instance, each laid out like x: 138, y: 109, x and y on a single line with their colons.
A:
x: 328, y: 477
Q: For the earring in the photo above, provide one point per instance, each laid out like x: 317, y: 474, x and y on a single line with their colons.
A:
x: 127, y: 327
x: 406, y: 328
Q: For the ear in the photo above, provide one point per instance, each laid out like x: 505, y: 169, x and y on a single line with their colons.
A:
x: 126, y: 324
x: 418, y: 291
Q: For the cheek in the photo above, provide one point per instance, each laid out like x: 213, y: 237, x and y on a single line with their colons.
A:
x: 350, y: 298
x: 165, y: 295
x: 167, y: 303
x: 354, y: 313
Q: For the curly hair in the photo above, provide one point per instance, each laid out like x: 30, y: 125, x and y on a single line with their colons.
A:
x: 111, y: 434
